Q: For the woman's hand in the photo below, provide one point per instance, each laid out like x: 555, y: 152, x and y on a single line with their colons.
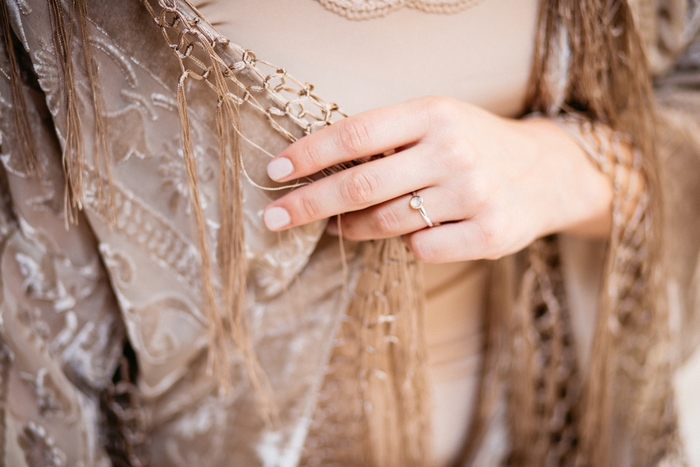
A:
x: 491, y: 185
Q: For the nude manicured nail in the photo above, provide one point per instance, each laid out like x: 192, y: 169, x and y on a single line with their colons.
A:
x: 279, y: 168
x: 276, y: 218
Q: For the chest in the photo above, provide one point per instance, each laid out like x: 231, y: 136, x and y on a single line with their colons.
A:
x: 480, y: 53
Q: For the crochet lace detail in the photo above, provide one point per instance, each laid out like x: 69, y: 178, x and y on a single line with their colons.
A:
x: 368, y: 9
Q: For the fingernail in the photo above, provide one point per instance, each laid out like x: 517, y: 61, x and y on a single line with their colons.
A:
x: 276, y: 218
x: 279, y: 168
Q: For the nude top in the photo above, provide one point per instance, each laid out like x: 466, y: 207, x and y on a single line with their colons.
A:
x: 481, y: 55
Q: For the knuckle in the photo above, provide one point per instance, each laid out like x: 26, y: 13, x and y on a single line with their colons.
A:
x: 308, y: 208
x: 456, y: 154
x: 359, y: 188
x: 492, y: 232
x: 385, y: 222
x: 441, y: 109
x: 476, y: 192
x: 353, y: 135
x: 312, y: 156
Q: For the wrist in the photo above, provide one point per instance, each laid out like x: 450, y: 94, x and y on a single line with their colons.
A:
x: 577, y: 196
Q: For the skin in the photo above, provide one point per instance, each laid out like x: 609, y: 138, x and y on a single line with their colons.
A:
x: 492, y: 184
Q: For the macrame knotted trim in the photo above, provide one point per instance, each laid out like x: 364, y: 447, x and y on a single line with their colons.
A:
x: 389, y: 316
x: 373, y: 408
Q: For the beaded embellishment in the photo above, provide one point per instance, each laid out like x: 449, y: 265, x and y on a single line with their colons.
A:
x: 368, y: 9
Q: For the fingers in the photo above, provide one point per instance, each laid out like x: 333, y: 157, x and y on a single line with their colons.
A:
x: 460, y: 241
x: 366, y: 134
x: 396, y: 217
x: 352, y: 189
x: 472, y: 239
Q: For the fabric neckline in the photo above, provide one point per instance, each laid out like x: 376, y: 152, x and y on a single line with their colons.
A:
x: 370, y: 9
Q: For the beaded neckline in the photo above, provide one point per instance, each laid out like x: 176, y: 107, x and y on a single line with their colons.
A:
x: 368, y: 9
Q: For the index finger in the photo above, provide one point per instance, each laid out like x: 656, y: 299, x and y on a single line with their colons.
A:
x: 366, y: 134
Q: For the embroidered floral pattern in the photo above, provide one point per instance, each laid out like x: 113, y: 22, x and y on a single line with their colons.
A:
x: 174, y: 178
x: 46, y: 392
x: 39, y: 449
x: 121, y: 266
x: 151, y: 231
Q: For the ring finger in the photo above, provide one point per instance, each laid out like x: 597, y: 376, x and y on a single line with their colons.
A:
x: 397, y: 217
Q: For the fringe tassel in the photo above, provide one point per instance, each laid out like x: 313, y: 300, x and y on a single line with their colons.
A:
x: 209, y: 295
x: 607, y: 79
x: 543, y: 403
x: 74, y: 163
x: 229, y: 316
x: 373, y: 406
x: 631, y: 348
x: 389, y: 309
x: 73, y: 150
x: 24, y: 135
x: 101, y: 152
x: 231, y: 252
